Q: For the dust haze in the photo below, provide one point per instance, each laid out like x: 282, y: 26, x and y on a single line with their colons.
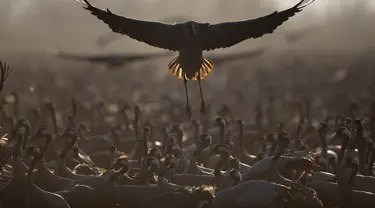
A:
x: 29, y: 25
x: 334, y: 27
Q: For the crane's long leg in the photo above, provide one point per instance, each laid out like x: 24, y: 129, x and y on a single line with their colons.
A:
x: 188, y: 109
x: 203, y: 104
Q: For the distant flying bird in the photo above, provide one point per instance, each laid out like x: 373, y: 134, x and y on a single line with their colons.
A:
x: 120, y: 60
x: 112, y: 60
x: 191, y: 38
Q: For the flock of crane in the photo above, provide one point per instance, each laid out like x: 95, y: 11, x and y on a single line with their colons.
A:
x: 84, y: 156
x: 203, y: 163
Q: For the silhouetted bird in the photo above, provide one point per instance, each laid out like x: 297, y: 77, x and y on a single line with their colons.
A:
x: 112, y: 60
x: 119, y: 60
x: 191, y: 38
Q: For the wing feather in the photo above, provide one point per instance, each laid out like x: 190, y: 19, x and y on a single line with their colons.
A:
x: 156, y: 34
x: 227, y: 34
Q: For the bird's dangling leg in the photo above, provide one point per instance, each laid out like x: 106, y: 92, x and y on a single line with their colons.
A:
x: 188, y: 109
x: 203, y: 104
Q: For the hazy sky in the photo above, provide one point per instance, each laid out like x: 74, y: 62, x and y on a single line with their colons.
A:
x: 40, y: 24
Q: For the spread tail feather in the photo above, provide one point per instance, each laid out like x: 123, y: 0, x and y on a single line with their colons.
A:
x: 176, y: 69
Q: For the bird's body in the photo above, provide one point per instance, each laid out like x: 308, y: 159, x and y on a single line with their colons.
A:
x: 190, y: 59
x: 191, y: 38
x: 190, y: 63
x: 187, y: 62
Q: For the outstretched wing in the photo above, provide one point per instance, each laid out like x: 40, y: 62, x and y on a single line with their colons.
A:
x: 227, y: 34
x: 153, y: 33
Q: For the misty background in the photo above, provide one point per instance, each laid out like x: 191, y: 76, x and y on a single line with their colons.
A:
x: 318, y: 65
x: 32, y: 25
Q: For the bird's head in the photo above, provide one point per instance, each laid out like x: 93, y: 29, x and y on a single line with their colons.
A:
x: 219, y: 121
x: 192, y: 28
